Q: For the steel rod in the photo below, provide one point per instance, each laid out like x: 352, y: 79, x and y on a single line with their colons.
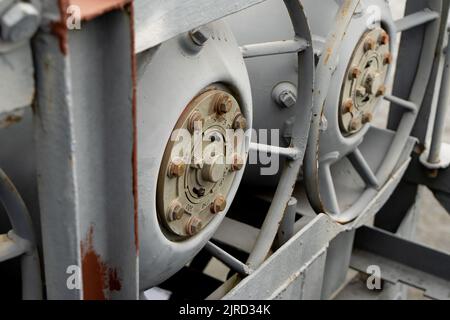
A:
x: 416, y: 19
x: 362, y: 167
x: 291, y: 153
x: 408, y: 105
x: 23, y: 229
x: 233, y: 263
x: 275, y: 214
x: 441, y: 112
x: 286, y: 230
x: 273, y: 48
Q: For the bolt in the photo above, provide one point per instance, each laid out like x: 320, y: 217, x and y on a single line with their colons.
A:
x: 387, y: 59
x: 381, y: 91
x: 193, y: 226
x: 383, y: 38
x: 219, y: 204
x: 347, y: 106
x: 369, y: 44
x: 354, y: 73
x: 176, y: 211
x: 367, y: 117
x: 223, y: 104
x: 288, y: 98
x: 200, y: 35
x: 238, y: 163
x: 177, y: 167
x: 355, y: 124
x: 20, y: 22
x: 239, y: 122
x: 361, y: 91
x: 195, y: 122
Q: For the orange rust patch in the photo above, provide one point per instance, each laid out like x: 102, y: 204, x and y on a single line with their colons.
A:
x: 98, y: 279
x: 134, y: 116
x: 91, y: 9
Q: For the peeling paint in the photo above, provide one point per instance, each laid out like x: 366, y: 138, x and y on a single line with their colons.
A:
x: 99, y: 279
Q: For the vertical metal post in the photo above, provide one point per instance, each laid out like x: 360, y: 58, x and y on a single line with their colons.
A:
x: 441, y: 111
x: 286, y: 230
x: 85, y: 133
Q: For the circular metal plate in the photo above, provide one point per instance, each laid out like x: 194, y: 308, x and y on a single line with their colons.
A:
x: 200, y: 163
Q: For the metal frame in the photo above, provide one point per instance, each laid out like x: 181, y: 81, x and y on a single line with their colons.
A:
x: 85, y: 127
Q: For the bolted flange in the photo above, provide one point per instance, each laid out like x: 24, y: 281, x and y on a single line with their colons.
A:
x: 193, y: 184
x: 365, y: 83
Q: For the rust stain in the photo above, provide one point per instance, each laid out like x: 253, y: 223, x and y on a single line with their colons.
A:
x: 91, y: 9
x: 59, y: 28
x: 134, y: 115
x: 98, y: 278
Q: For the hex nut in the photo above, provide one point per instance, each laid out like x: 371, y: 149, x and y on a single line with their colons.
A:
x: 238, y: 163
x: 367, y: 117
x: 200, y: 35
x: 369, y: 44
x: 239, y: 122
x: 381, y: 91
x: 176, y: 211
x: 387, y: 59
x: 223, y: 104
x: 195, y: 122
x: 177, y: 167
x: 384, y: 38
x: 354, y: 73
x: 355, y: 124
x: 219, y: 204
x: 347, y: 106
x: 193, y: 226
x: 20, y: 22
x: 288, y: 99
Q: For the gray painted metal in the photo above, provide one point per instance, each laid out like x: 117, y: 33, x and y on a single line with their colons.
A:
x: 328, y: 148
x: 21, y: 240
x: 158, y: 21
x: 300, y: 131
x: 84, y: 131
x: 434, y: 160
x: 403, y: 261
x: 228, y: 259
x: 300, y: 255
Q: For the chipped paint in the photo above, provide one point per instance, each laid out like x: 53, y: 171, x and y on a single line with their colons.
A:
x: 99, y: 279
x: 134, y: 117
x: 89, y: 10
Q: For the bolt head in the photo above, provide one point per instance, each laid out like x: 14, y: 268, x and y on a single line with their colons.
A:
x: 223, y: 104
x: 387, y: 59
x: 347, y: 106
x: 239, y: 122
x: 238, y: 163
x: 193, y: 226
x: 367, y: 117
x: 219, y: 204
x: 361, y: 91
x: 176, y: 211
x: 288, y: 99
x: 369, y: 44
x: 355, y: 124
x: 20, y: 22
x: 381, y: 91
x: 200, y: 35
x: 354, y: 73
x: 177, y: 168
x: 195, y: 122
x: 384, y: 38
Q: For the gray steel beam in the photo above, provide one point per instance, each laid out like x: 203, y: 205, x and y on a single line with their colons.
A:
x: 84, y: 127
x: 158, y: 21
x: 403, y: 261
